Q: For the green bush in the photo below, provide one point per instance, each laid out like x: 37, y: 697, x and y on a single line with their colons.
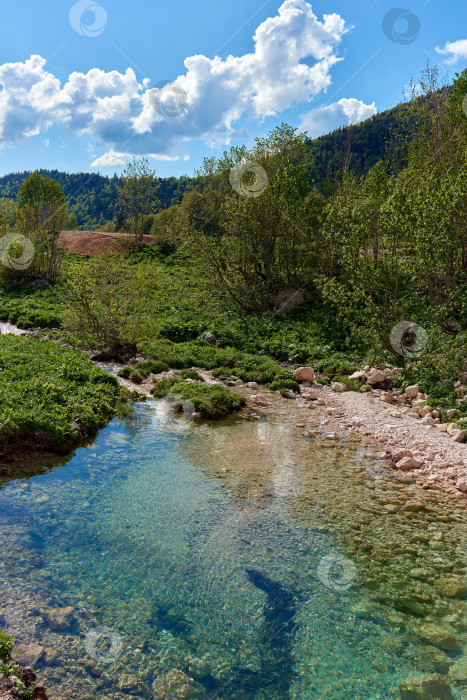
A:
x: 6, y: 646
x: 212, y: 401
x: 221, y: 373
x: 135, y: 377
x: 151, y: 367
x: 191, y: 374
x: 284, y: 385
x: 125, y: 372
x: 163, y: 386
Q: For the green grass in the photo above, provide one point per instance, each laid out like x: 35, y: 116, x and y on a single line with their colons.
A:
x: 212, y: 401
x: 50, y: 395
x: 351, y: 384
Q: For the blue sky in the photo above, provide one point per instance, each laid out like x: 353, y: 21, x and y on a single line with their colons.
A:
x: 86, y: 85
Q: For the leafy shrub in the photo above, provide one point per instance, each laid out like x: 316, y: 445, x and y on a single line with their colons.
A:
x: 191, y: 354
x: 284, y: 385
x: 163, y: 386
x: 221, y: 373
x: 335, y: 365
x: 152, y: 367
x: 125, y: 372
x: 181, y: 332
x: 191, y: 374
x: 256, y: 368
x: 212, y: 401
x: 6, y: 646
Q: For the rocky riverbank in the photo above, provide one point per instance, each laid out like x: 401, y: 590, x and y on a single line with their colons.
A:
x: 407, y: 431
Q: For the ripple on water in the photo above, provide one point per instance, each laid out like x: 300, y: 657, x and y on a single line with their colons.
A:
x: 211, y: 545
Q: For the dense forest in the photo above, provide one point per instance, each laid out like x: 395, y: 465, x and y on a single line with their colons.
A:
x: 92, y: 197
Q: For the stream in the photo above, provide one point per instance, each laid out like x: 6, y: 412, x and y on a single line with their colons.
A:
x: 244, y: 559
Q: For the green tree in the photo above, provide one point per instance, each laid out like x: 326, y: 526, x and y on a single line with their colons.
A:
x: 42, y: 212
x: 42, y: 205
x: 109, y: 304
x: 137, y: 194
x: 254, y: 219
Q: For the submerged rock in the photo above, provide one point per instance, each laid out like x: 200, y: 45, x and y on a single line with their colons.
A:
x: 199, y: 668
x: 29, y: 654
x: 451, y: 586
x: 258, y: 400
x: 428, y: 687
x: 60, y: 618
x: 438, y: 637
x: 176, y: 684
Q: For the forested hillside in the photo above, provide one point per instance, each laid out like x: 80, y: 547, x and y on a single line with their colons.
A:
x: 93, y: 197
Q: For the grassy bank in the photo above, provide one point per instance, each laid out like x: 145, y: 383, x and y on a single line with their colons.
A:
x: 52, y: 397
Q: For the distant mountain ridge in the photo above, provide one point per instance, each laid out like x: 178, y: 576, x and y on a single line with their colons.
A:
x: 93, y: 197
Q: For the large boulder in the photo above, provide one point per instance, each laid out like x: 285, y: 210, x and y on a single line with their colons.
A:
x: 412, y: 391
x: 304, y: 374
x: 288, y: 300
x: 408, y: 463
x: 209, y: 338
x: 38, y: 284
x: 359, y: 376
x: 376, y: 377
x: 338, y: 386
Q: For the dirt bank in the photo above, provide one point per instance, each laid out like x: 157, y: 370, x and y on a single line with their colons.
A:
x: 97, y: 243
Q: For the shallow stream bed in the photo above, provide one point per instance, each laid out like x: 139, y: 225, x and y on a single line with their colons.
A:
x: 257, y: 555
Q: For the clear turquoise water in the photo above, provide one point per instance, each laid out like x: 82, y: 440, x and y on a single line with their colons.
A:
x: 206, y: 541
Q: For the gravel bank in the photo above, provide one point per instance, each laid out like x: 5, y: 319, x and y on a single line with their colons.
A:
x: 443, y: 462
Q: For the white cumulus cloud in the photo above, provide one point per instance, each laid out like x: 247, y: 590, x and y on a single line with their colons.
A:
x: 291, y: 62
x: 454, y: 50
x: 347, y: 111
